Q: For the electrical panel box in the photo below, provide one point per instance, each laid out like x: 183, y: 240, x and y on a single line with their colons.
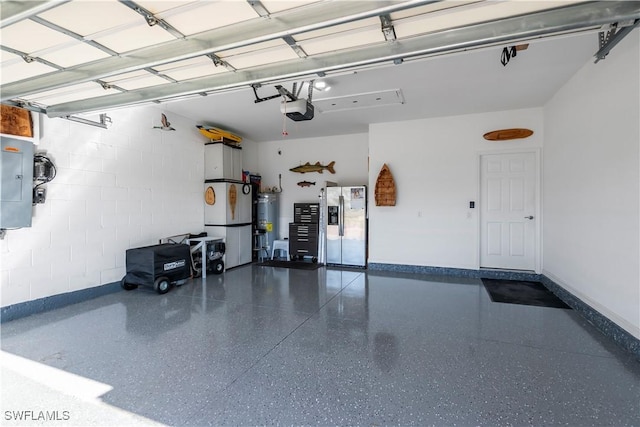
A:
x: 16, y: 183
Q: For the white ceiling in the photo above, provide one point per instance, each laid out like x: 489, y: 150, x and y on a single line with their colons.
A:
x: 464, y: 83
x: 73, y: 57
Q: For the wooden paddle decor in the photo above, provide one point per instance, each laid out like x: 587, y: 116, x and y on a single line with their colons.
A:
x: 385, y: 191
x: 507, y: 134
x: 233, y: 198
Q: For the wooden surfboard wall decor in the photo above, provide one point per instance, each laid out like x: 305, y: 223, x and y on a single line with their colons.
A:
x: 385, y: 191
x: 507, y: 134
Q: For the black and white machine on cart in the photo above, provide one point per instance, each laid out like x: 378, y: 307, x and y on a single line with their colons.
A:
x: 158, y: 266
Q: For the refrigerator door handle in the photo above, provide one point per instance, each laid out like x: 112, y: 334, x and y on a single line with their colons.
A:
x: 341, y: 216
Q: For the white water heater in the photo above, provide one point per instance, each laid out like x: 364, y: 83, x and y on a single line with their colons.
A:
x: 268, y: 216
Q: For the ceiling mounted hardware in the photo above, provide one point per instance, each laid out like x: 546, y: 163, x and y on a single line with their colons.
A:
x: 73, y: 35
x: 219, y: 62
x: 104, y: 123
x: 259, y: 8
x: 313, y: 17
x: 607, y: 41
x: 387, y: 28
x: 16, y: 11
x: 31, y: 106
x: 297, y: 109
x: 259, y: 99
x: 152, y: 19
x: 258, y: 51
x: 297, y: 49
x: 294, y: 107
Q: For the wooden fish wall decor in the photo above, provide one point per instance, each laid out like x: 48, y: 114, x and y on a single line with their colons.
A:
x: 308, y: 167
x: 306, y: 184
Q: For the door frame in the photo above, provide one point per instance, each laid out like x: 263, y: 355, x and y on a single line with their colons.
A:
x: 537, y: 252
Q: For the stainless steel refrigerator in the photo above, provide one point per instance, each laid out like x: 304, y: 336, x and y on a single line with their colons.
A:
x: 347, y: 226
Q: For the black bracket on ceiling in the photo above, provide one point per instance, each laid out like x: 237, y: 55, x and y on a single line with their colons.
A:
x: 607, y: 41
x: 259, y: 99
x: 282, y: 92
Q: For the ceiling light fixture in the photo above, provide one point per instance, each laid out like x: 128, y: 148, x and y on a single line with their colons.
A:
x: 321, y: 85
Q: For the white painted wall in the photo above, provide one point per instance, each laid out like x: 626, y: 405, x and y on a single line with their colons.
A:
x: 115, y: 189
x: 250, y: 161
x: 435, y: 164
x: 277, y: 157
x: 592, y: 185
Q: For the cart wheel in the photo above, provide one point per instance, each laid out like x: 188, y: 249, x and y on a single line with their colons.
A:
x: 161, y: 285
x: 127, y: 286
x: 218, y: 267
x: 314, y: 260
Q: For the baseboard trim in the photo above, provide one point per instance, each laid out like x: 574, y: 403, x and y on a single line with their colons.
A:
x: 457, y: 272
x: 605, y: 325
x: 601, y: 322
x: 40, y: 305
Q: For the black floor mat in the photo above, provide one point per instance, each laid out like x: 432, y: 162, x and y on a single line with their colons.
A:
x: 291, y: 264
x: 522, y: 292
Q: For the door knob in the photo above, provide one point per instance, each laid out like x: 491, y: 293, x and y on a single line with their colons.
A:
x: 528, y: 217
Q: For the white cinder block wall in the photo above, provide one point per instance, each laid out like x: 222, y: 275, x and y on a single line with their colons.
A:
x: 350, y: 153
x: 435, y: 164
x: 592, y: 185
x: 115, y: 189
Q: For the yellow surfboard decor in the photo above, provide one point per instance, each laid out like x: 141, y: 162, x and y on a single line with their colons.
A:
x: 217, y: 134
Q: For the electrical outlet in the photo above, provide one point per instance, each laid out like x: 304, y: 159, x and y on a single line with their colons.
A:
x: 39, y: 195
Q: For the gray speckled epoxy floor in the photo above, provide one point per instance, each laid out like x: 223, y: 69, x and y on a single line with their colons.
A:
x: 265, y: 346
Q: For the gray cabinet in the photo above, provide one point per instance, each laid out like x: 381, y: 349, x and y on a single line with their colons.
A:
x: 222, y: 161
x: 16, y: 183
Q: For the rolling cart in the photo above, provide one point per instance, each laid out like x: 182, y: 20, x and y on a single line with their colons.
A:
x: 158, y: 266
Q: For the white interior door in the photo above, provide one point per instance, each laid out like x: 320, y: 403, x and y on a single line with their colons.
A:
x: 508, y: 206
